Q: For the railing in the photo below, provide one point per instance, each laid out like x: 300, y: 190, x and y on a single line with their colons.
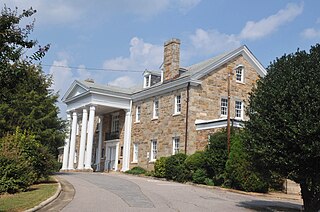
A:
x: 112, y: 135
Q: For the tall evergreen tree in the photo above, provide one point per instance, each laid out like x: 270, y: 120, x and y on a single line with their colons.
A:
x: 284, y: 125
x: 25, y: 98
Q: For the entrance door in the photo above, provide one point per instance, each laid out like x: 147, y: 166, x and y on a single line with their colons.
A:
x: 111, y: 158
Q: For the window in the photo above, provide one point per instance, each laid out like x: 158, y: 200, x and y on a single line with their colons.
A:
x: 135, y: 153
x: 238, y: 109
x: 102, y: 153
x: 224, y: 106
x: 175, y: 145
x: 138, y: 113
x: 115, y: 123
x: 153, y: 150
x: 147, y: 81
x: 155, y: 108
x: 177, y: 104
x: 239, y: 74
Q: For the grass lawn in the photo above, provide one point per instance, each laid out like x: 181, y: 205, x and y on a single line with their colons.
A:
x: 26, y: 200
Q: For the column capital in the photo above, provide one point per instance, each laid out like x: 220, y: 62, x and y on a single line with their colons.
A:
x: 74, y: 113
x: 92, y: 107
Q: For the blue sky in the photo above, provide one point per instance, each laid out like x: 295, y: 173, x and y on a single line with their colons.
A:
x: 129, y: 34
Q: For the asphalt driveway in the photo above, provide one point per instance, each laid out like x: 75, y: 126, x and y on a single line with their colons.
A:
x: 120, y: 192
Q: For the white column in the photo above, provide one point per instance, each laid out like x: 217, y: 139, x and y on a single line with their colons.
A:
x: 127, y: 141
x: 90, y: 138
x: 100, y: 143
x: 73, y: 140
x: 83, y: 138
x: 66, y: 145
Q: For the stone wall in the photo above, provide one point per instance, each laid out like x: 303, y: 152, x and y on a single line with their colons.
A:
x: 162, y: 129
x: 205, y: 100
x: 204, y: 104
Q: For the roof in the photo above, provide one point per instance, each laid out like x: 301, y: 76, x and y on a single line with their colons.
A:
x: 192, y: 74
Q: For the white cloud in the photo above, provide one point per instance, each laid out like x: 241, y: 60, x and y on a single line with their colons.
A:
x: 124, y: 82
x: 255, y: 30
x: 311, y: 33
x: 212, y: 41
x: 142, y: 56
x: 72, y: 11
x: 62, y: 76
x: 186, y: 5
x: 51, y: 12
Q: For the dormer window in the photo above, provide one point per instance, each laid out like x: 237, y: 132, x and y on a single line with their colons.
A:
x: 240, y: 73
x: 147, y: 81
x: 151, y: 78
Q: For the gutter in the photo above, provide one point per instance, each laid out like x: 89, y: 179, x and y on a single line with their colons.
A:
x: 187, y: 116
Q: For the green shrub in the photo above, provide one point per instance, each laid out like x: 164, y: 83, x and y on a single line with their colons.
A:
x: 276, y: 182
x: 15, y: 175
x: 176, y: 169
x: 24, y: 161
x: 137, y: 170
x: 208, y: 182
x: 195, y: 161
x: 216, y: 155
x: 199, y: 176
x: 159, y: 167
x: 239, y: 173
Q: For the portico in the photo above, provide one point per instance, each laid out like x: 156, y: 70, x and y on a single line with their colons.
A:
x: 100, y: 132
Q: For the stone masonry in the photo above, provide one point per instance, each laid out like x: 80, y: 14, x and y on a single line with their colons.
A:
x: 204, y: 103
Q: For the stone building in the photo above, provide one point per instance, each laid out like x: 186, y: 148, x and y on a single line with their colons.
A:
x: 175, y: 110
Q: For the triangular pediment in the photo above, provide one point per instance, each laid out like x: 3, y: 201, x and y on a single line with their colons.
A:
x: 211, y: 65
x: 76, y: 89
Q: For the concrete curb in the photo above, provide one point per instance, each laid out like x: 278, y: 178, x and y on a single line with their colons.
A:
x: 46, y: 202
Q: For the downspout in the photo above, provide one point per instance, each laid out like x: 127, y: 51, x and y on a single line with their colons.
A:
x: 187, y: 116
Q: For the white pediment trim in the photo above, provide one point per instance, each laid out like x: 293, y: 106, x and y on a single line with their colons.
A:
x: 76, y: 89
x: 244, y: 51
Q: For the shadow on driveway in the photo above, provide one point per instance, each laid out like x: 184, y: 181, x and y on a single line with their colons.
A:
x: 260, y: 205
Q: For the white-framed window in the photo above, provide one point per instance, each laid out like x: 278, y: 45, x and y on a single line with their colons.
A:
x: 239, y: 73
x: 135, y: 153
x: 147, y: 81
x: 154, y: 150
x: 238, y: 109
x: 177, y: 104
x: 138, y: 113
x: 175, y: 145
x: 155, y: 109
x: 224, y: 106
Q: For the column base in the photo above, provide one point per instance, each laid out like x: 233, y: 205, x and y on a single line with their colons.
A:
x: 87, y: 169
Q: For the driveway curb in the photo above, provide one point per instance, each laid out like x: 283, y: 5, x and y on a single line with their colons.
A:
x: 49, y: 200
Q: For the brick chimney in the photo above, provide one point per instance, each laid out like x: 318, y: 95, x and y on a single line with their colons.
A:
x: 171, y: 61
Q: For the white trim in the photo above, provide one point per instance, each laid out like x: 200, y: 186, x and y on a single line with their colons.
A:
x: 174, y: 142
x: 153, y: 157
x: 154, y: 112
x: 243, y: 50
x: 216, y: 123
x: 176, y: 112
x: 127, y: 139
x: 241, y: 110
x: 157, y: 90
x: 138, y: 114
x: 135, y: 155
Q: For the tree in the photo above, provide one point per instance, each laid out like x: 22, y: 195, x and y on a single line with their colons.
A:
x: 216, y: 155
x: 25, y: 98
x: 284, y: 125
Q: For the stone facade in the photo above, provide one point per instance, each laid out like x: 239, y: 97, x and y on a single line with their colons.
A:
x: 188, y: 107
x: 171, y: 63
x: 204, y: 103
x: 205, y: 100
x: 163, y: 129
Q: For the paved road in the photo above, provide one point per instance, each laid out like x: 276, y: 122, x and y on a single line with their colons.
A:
x: 119, y: 192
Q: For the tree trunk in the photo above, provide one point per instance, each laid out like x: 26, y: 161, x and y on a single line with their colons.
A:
x: 310, y: 192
